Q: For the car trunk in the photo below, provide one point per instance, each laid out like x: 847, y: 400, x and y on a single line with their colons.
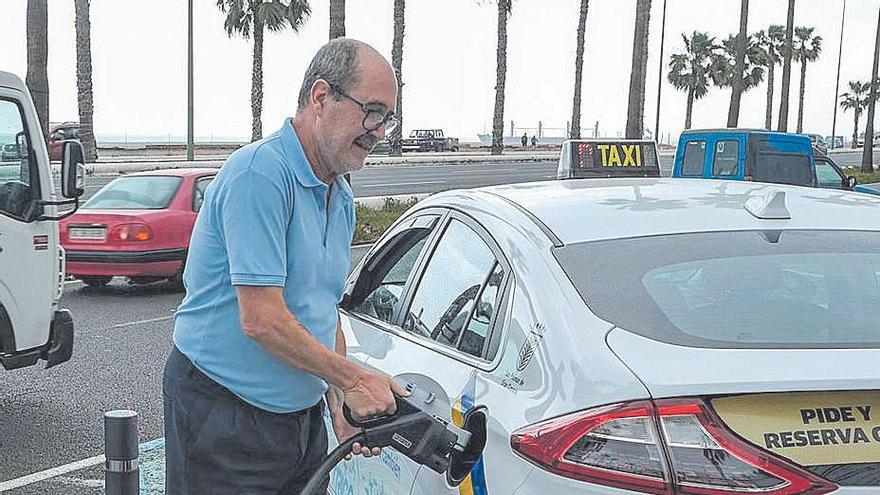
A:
x: 818, y: 408
x: 90, y: 229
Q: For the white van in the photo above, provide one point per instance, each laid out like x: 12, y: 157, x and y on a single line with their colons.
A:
x: 32, y: 326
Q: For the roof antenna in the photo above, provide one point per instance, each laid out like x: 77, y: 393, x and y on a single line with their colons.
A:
x: 768, y: 207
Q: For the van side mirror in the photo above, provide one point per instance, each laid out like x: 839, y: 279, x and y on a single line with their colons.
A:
x: 851, y: 182
x: 73, y: 170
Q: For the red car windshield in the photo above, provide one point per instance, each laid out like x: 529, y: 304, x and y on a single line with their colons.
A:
x: 135, y: 193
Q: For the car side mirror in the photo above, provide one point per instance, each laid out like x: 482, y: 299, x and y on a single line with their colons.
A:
x: 73, y: 170
x: 851, y: 182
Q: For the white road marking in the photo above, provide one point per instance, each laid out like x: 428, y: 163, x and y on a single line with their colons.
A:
x: 70, y: 480
x: 50, y: 473
x: 405, y: 183
x: 141, y: 322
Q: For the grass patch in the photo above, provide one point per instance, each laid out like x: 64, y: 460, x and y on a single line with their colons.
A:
x: 862, y: 177
x: 372, y: 222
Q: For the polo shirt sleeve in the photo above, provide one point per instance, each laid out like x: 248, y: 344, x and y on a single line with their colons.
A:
x: 254, y: 216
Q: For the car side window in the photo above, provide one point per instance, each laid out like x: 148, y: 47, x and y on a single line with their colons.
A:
x: 378, y: 291
x: 15, y: 166
x: 454, y: 302
x: 726, y: 158
x: 199, y: 192
x: 694, y: 158
x: 827, y: 176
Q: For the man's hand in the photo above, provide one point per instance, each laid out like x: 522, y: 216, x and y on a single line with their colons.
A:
x: 373, y: 395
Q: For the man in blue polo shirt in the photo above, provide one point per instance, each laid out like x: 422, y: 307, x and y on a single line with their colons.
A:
x: 257, y: 337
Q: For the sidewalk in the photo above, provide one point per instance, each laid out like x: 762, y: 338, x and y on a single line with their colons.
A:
x: 116, y: 166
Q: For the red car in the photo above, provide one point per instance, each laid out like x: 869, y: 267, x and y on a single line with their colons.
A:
x: 59, y: 133
x: 137, y: 226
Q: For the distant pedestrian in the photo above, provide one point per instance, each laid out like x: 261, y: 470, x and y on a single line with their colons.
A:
x: 534, y: 141
x: 525, y: 140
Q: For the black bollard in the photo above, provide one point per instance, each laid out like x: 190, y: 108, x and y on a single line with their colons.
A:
x: 121, y: 473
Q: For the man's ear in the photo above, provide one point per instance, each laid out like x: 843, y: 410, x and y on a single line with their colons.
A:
x: 319, y: 94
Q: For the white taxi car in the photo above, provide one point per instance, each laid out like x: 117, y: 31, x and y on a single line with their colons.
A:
x: 633, y: 336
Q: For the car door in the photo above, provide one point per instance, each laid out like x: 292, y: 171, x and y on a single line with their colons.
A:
x: 372, y: 299
x: 29, y: 260
x: 446, y: 330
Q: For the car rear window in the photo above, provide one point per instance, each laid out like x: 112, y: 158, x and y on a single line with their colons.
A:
x: 751, y: 289
x: 135, y: 193
x: 783, y: 168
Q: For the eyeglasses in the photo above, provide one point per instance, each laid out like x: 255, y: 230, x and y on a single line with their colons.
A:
x: 373, y: 119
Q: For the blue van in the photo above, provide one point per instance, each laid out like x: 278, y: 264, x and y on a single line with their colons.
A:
x: 745, y: 154
x: 761, y: 156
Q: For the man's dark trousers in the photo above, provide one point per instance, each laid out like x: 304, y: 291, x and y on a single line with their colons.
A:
x: 216, y: 444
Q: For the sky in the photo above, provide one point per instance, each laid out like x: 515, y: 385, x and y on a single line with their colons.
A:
x: 139, y: 64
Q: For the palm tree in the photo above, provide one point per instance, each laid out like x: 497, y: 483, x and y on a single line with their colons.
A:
x: 856, y: 99
x: 724, y: 72
x: 37, y: 78
x: 786, y: 69
x: 806, y: 49
x: 246, y: 17
x: 337, y: 19
x: 868, y: 148
x: 504, y: 10
x: 741, y: 44
x: 84, y: 79
x: 692, y: 71
x: 397, y: 63
x: 578, y: 72
x: 635, y: 113
x: 771, y: 41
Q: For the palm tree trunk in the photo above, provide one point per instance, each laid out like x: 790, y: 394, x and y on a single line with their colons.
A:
x: 257, y: 82
x: 500, y: 78
x: 690, y: 109
x: 397, y: 63
x: 741, y: 44
x: 578, y: 72
x: 868, y: 148
x: 337, y: 19
x: 37, y: 78
x: 786, y: 69
x: 635, y: 114
x: 84, y: 80
x: 768, y: 116
x: 855, y: 140
x: 800, y: 120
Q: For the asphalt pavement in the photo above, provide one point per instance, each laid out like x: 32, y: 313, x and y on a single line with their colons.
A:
x: 51, y: 426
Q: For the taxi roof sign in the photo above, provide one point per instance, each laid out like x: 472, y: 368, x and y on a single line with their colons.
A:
x: 593, y: 158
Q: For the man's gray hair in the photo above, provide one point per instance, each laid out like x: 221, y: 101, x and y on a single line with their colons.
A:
x: 336, y: 63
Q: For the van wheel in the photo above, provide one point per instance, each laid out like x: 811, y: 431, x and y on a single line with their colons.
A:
x: 96, y: 281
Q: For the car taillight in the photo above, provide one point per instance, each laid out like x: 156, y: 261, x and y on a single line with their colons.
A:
x: 676, y: 446
x: 131, y: 232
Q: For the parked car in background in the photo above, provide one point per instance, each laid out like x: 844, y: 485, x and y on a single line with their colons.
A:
x: 833, y: 142
x: 861, y: 141
x: 429, y: 140
x: 137, y: 226
x: 382, y: 147
x: 59, y: 133
x: 818, y: 142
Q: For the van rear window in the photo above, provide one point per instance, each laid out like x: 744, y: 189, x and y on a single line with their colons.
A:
x: 694, y: 158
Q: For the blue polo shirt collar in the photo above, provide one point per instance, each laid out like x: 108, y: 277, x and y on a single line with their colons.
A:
x: 296, y: 157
